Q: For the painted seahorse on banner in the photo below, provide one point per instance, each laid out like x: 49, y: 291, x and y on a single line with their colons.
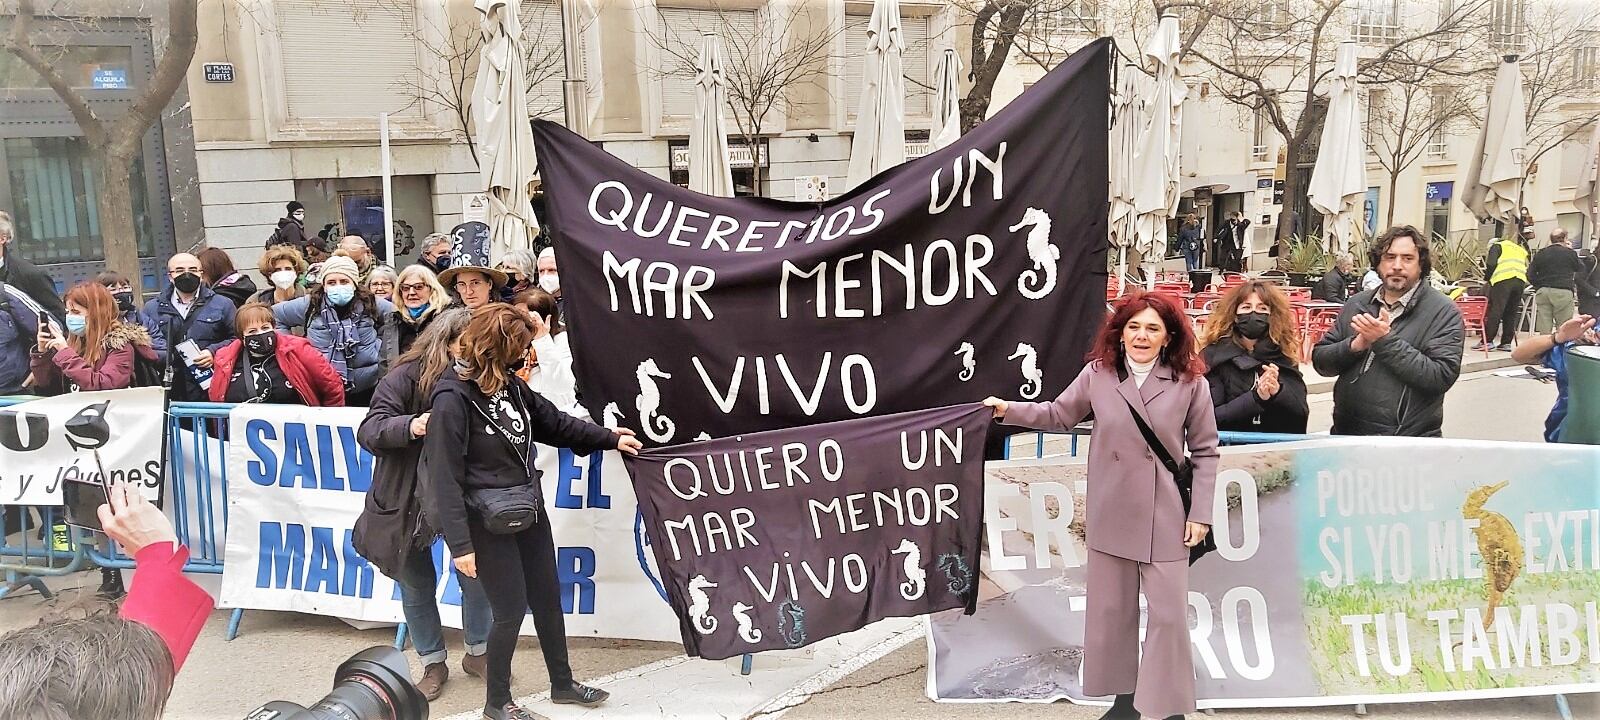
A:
x: 612, y: 415
x: 916, y: 577
x: 1031, y: 374
x: 747, y: 629
x: 957, y: 572
x: 1044, y: 254
x: 700, y: 605
x: 792, y: 622
x: 659, y: 427
x: 969, y: 360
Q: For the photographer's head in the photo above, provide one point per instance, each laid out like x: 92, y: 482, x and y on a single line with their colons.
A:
x: 101, y: 667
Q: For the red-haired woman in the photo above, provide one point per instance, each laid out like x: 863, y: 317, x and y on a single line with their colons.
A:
x: 1139, y: 536
x: 99, y: 351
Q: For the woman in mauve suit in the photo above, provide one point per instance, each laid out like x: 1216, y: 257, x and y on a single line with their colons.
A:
x: 1138, y: 535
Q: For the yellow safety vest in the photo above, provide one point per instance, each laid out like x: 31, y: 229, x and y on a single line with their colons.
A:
x: 1513, y: 263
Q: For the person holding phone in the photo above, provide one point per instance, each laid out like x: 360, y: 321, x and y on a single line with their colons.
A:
x: 479, y: 450
x: 99, y: 350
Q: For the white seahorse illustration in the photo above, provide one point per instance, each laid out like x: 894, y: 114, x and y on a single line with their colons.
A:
x: 612, y: 415
x: 702, y: 436
x: 969, y: 360
x: 659, y: 427
x: 700, y: 604
x: 916, y: 577
x: 1031, y: 374
x: 747, y: 629
x: 1044, y: 254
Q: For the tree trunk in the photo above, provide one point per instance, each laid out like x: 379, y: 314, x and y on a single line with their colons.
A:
x: 1388, y: 217
x: 115, y: 208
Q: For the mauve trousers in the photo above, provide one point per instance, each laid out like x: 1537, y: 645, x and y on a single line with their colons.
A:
x: 1164, y: 684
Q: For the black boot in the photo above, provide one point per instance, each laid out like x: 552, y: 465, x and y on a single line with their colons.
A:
x: 111, y: 584
x: 1122, y: 709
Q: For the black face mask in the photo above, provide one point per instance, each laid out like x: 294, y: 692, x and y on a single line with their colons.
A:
x: 186, y: 283
x: 261, y: 344
x: 1253, y: 326
x: 516, y: 365
x: 124, y: 300
x: 440, y: 264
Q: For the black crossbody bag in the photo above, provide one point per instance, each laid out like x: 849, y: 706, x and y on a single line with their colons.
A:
x: 510, y: 510
x: 1182, y: 475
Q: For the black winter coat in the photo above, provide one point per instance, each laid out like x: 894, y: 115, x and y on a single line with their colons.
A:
x: 461, y: 454
x: 391, y: 525
x: 33, y: 282
x: 1397, y: 386
x: 1232, y: 374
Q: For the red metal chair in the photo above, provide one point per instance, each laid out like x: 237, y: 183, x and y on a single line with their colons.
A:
x: 1313, y: 325
x: 1473, y: 311
x: 1204, y: 300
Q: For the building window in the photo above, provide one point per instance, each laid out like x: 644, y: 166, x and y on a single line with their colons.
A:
x: 1377, y: 21
x: 1051, y: 28
x: 54, y: 200
x: 1259, y: 135
x: 739, y: 164
x: 1272, y: 15
x: 681, y: 29
x: 1438, y: 105
x: 1447, y: 11
x: 339, y: 64
x: 1508, y: 23
x: 1586, y: 64
x: 1437, y: 208
x: 915, y: 64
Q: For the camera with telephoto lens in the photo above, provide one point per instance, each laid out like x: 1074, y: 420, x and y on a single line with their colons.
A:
x: 374, y: 684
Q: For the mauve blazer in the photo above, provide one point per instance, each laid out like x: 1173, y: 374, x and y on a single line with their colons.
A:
x: 1134, y: 510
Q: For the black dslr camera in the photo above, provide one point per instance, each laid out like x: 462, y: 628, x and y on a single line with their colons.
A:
x: 374, y: 684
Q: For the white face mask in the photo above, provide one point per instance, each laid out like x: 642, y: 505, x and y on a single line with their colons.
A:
x: 284, y: 279
x: 550, y: 283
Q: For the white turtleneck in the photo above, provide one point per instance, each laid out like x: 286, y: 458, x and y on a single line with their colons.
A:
x: 1140, y: 371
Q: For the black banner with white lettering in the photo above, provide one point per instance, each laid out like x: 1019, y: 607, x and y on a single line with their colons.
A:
x: 780, y: 539
x: 976, y: 270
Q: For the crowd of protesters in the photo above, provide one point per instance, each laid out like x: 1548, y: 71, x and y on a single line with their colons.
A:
x: 464, y: 366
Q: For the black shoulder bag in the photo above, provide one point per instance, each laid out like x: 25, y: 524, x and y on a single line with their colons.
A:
x: 508, y: 510
x: 1183, y: 475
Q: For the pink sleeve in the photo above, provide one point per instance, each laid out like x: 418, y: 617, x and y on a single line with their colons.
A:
x: 166, y: 601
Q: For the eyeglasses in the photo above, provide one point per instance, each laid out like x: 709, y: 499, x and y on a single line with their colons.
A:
x: 414, y: 287
x: 380, y: 285
x: 179, y: 271
x: 473, y: 283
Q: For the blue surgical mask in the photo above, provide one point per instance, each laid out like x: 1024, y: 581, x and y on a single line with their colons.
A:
x: 416, y: 312
x: 76, y: 324
x: 341, y: 295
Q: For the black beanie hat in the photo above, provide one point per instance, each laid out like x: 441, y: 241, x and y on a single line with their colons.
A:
x: 295, y: 205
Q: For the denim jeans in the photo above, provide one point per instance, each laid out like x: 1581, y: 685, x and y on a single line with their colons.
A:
x: 418, y: 600
x: 1191, y: 258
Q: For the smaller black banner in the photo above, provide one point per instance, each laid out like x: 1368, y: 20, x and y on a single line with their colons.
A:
x: 779, y: 539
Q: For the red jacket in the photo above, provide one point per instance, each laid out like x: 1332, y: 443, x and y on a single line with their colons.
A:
x: 165, y: 601
x: 303, y: 365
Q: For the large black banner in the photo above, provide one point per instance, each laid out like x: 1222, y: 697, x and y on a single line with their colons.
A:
x: 976, y: 270
x: 783, y: 538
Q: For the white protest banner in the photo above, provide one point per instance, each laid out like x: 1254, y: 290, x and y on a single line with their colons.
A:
x: 1348, y: 571
x: 296, y: 479
x: 45, y: 442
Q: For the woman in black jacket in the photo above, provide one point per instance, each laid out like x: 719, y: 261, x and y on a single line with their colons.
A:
x: 1252, y: 353
x: 482, y: 429
x: 391, y: 532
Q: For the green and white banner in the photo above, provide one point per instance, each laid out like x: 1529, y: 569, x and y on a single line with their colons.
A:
x: 1370, y: 570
